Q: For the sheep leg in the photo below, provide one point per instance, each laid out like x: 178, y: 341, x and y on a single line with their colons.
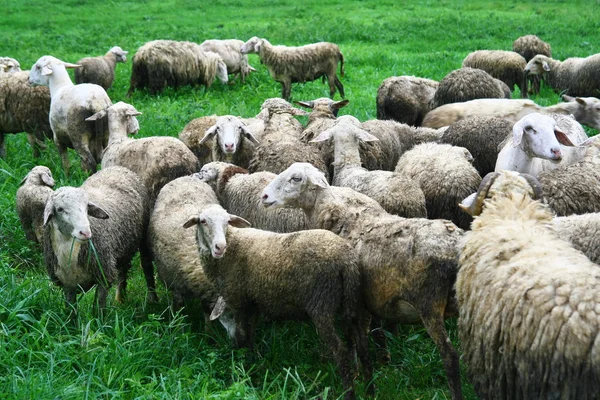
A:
x: 359, y: 330
x: 340, y: 87
x: 2, y: 146
x: 33, y: 143
x: 88, y: 162
x: 122, y: 285
x: 64, y: 157
x: 148, y: 268
x: 100, y: 299
x: 382, y: 351
x: 286, y: 90
x: 71, y: 303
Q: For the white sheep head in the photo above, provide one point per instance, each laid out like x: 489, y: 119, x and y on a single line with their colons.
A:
x: 589, y: 110
x: 40, y: 176
x: 121, y: 118
x: 538, y: 136
x: 119, y: 53
x: 44, y: 67
x: 9, y: 65
x: 252, y: 46
x: 229, y: 132
x: 295, y: 187
x: 538, y: 65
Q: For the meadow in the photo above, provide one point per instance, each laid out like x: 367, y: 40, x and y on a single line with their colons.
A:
x: 142, y: 351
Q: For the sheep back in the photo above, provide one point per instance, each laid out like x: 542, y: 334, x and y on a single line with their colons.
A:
x: 529, y: 46
x: 507, y: 66
x: 97, y: 70
x: 405, y: 99
x: 582, y: 231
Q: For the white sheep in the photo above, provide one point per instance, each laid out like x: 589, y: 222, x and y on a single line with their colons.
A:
x: 100, y: 70
x: 31, y: 198
x: 9, y: 65
x: 229, y: 50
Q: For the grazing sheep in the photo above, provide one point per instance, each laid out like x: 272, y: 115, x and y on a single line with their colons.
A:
x: 507, y: 66
x: 229, y: 50
x: 405, y: 99
x: 396, y: 193
x: 100, y: 70
x: 296, y: 275
x: 466, y: 84
x: 408, y: 265
x: 573, y: 76
x: 24, y: 108
x: 161, y: 63
x: 9, y: 65
x: 529, y: 320
x: 70, y: 105
x: 118, y: 201
x: 35, y: 189
x: 529, y: 46
x: 239, y: 193
x: 445, y: 175
x: 157, y: 160
x: 289, y: 65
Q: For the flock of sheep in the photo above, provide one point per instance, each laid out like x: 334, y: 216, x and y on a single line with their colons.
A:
x: 356, y: 224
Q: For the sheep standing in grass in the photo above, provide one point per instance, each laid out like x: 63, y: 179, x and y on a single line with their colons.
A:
x: 507, y: 66
x: 162, y: 63
x: 9, y: 65
x: 100, y: 70
x: 289, y: 65
x: 529, y: 46
x: 408, y: 265
x: 35, y: 189
x: 229, y: 50
x: 70, y: 105
x: 529, y: 321
x: 405, y: 99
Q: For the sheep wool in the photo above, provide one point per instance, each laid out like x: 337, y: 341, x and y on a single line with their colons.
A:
x: 405, y: 99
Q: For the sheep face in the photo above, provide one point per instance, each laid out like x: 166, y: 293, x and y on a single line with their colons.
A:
x: 539, y: 136
x: 40, y: 72
x: 589, y: 110
x: 294, y: 187
x: 39, y: 175
x: 538, y: 65
x: 252, y: 46
x: 69, y: 208
x: 229, y: 131
x: 120, y: 114
x: 119, y: 53
x: 9, y: 65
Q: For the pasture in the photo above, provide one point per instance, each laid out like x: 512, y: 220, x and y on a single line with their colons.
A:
x: 140, y: 350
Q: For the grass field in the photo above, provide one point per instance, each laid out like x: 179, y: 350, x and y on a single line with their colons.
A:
x: 139, y: 350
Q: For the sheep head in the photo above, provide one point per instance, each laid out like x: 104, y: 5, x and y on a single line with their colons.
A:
x: 119, y: 53
x: 324, y: 106
x: 252, y: 46
x: 44, y: 67
x: 294, y: 187
x: 229, y: 132
x: 121, y: 118
x: 40, y: 175
x: 538, y: 136
x: 538, y: 65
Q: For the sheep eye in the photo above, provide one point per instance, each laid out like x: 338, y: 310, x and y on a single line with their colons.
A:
x: 296, y: 178
x: 203, y: 221
x: 60, y: 209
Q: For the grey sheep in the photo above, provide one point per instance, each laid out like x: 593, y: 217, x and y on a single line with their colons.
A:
x: 529, y: 320
x: 117, y: 200
x: 466, y: 84
x: 100, y: 70
x: 307, y: 63
x: 168, y: 63
x: 507, y: 66
x: 405, y: 99
x: 31, y: 198
x: 445, y: 175
x: 229, y: 50
x: 9, y: 65
x: 529, y: 46
x: 574, y: 76
x: 408, y: 265
x: 239, y: 193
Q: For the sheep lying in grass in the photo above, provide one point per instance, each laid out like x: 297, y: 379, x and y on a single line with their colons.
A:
x: 408, y: 265
x: 9, y: 65
x: 529, y: 46
x: 35, y: 189
x: 229, y: 50
x: 405, y: 99
x: 100, y: 70
x: 529, y: 320
x: 289, y: 65
x: 507, y: 66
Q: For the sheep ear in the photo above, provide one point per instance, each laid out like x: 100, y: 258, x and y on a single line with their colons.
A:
x: 563, y: 138
x: 249, y: 135
x: 46, y: 70
x: 339, y: 104
x: 96, y: 211
x: 567, y: 98
x: 47, y: 179
x: 210, y: 133
x: 257, y: 46
x: 307, y: 104
x: 517, y: 134
x: 218, y: 309
x: 323, y: 136
x: 298, y: 112
x: 474, y: 203
x: 133, y: 113
x: 251, y: 68
x: 366, y: 136
x: 580, y: 100
x: 191, y: 222
x: 238, y: 222
x: 69, y: 65
x: 48, y: 211
x: 545, y: 66
x: 99, y: 115
x: 318, y: 179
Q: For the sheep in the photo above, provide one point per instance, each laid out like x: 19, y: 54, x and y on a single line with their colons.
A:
x: 507, y: 66
x: 528, y: 301
x: 582, y: 231
x: 9, y: 65
x: 585, y: 110
x: 24, y: 109
x: 529, y: 46
x: 288, y: 65
x: 466, y: 84
x: 396, y: 193
x: 100, y: 70
x: 157, y: 160
x: 118, y: 201
x: 408, y: 265
x: 573, y: 76
x: 31, y: 198
x: 405, y: 99
x: 445, y: 175
x: 239, y: 193
x: 312, y: 274
x: 229, y: 50
x: 70, y: 105
x: 161, y: 63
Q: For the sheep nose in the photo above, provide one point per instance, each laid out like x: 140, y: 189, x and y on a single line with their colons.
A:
x: 265, y: 197
x: 556, y: 153
x: 86, y: 234
x: 229, y: 146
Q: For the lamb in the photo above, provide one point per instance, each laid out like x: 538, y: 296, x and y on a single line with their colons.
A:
x: 445, y: 175
x: 70, y: 105
x: 161, y: 63
x: 466, y: 84
x: 573, y: 76
x: 118, y: 201
x: 157, y: 160
x: 229, y: 50
x: 408, y: 265
x: 405, y: 99
x: 9, y: 65
x: 296, y: 275
x: 288, y: 65
x: 529, y: 46
x: 528, y: 301
x: 507, y: 66
x: 100, y: 70
x: 396, y: 193
x: 239, y: 193
x: 35, y: 189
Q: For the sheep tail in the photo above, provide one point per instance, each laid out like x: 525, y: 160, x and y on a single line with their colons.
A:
x: 342, y: 64
x: 351, y: 291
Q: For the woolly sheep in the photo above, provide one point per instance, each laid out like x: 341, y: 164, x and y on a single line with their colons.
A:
x: 289, y: 65
x: 408, y: 265
x: 100, y: 70
x: 582, y: 231
x: 9, y: 65
x: 405, y: 99
x: 118, y: 201
x: 528, y: 302
x: 70, y: 105
x: 396, y: 193
x: 507, y: 66
x: 35, y: 189
x: 229, y: 50
x: 529, y: 46
x: 157, y: 160
x: 466, y: 84
x: 161, y: 63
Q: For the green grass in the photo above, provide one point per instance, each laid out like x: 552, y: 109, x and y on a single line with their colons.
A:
x: 140, y: 351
